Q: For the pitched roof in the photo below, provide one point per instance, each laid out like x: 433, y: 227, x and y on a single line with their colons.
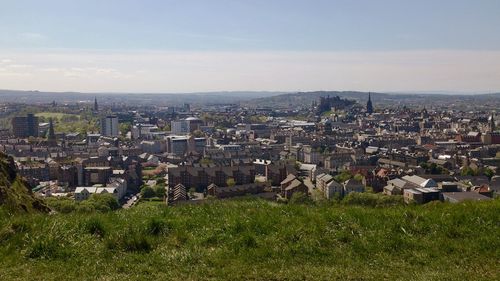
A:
x: 295, y: 183
x: 288, y: 179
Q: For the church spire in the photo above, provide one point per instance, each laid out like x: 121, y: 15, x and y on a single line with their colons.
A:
x: 51, y: 136
x: 492, y: 123
x: 369, y: 105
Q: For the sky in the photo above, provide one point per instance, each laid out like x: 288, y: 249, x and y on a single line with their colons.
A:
x: 230, y: 45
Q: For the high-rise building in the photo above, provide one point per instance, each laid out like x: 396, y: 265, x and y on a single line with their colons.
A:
x: 96, y: 106
x: 25, y: 126
x: 369, y: 105
x: 109, y: 126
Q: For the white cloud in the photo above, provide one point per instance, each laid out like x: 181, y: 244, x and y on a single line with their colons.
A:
x: 32, y: 37
x: 177, y: 71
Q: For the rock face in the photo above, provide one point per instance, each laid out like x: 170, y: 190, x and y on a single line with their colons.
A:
x: 15, y: 192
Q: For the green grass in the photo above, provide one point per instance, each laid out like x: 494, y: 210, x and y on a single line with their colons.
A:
x: 256, y: 240
x: 55, y: 115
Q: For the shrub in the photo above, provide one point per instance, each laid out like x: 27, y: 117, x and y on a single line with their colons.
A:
x: 156, y: 226
x: 130, y: 242
x: 230, y: 182
x: 62, y: 205
x: 160, y: 191
x: 299, y: 198
x: 95, y: 227
x: 245, y: 241
x: 104, y: 202
x: 85, y: 207
x: 147, y: 192
x: 45, y: 248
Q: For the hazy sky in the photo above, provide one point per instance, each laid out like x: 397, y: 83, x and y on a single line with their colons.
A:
x: 284, y: 45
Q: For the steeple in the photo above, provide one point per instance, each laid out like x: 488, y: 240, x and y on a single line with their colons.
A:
x: 492, y: 123
x: 51, y: 136
x: 96, y: 107
x: 369, y: 105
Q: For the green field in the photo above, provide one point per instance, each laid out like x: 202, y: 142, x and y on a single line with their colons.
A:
x: 70, y: 123
x: 55, y: 115
x: 256, y: 240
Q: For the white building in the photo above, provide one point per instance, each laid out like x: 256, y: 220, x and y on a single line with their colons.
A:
x: 180, y: 127
x: 117, y: 187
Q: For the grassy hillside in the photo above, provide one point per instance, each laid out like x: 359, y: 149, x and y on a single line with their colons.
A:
x: 256, y: 240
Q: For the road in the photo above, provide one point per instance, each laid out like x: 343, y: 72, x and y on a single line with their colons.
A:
x: 134, y: 198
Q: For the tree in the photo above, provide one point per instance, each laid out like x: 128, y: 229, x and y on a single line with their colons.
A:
x: 297, y: 165
x: 343, y: 176
x: 191, y: 192
x: 468, y: 171
x: 147, y: 192
x: 160, y: 191
x: 125, y: 128
x: 489, y: 173
x: 359, y: 177
x: 230, y: 182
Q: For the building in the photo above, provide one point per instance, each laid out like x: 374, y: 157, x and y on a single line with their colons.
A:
x: 67, y: 175
x: 116, y: 188
x: 200, y: 177
x: 51, y: 136
x: 180, y: 145
x: 96, y: 175
x: 176, y: 193
x: 369, y: 105
x: 397, y: 186
x: 456, y: 197
x: 292, y: 184
x: 420, y: 195
x: 25, y: 126
x: 353, y: 185
x: 194, y: 123
x: 421, y: 182
x: 237, y: 190
x: 328, y: 186
x: 180, y: 127
x: 109, y: 126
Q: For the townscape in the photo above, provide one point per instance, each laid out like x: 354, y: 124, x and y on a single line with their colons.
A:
x: 250, y: 140
x: 187, y: 154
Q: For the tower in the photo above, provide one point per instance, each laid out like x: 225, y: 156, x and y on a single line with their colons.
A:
x: 96, y: 106
x: 492, y: 123
x: 51, y: 136
x: 369, y: 105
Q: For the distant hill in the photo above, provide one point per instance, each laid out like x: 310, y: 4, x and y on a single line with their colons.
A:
x: 162, y: 99
x: 15, y: 194
x: 244, y: 98
x: 305, y: 99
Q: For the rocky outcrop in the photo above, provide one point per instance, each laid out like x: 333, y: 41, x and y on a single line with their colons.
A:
x: 15, y: 192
